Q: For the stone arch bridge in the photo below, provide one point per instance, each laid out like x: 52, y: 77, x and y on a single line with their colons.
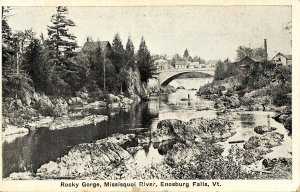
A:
x: 166, y: 76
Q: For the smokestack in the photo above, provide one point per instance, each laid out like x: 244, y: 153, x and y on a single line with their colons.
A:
x: 266, y: 50
x: 87, y: 39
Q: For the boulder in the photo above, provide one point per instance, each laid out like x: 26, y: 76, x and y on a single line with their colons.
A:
x: 118, y: 139
x: 168, y: 129
x: 142, y: 139
x: 75, y: 101
x: 21, y: 176
x: 263, y: 129
x: 272, y: 139
x: 252, y: 143
x: 112, y: 98
x: 14, y: 130
x: 85, y: 160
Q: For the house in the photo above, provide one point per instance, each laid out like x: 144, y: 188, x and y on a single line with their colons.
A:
x: 180, y: 64
x: 211, y: 63
x: 162, y: 64
x: 194, y: 65
x: 282, y: 59
x: 90, y: 47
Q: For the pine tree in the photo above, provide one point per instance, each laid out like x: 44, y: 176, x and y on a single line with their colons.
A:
x: 118, y: 53
x: 61, y: 46
x: 97, y: 68
x: 35, y: 65
x: 61, y: 42
x: 129, y: 52
x: 145, y: 64
x: 186, y: 54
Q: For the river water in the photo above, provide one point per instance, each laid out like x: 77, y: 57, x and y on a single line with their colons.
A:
x: 29, y: 152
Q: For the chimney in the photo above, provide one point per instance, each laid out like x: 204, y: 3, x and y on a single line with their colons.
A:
x: 266, y: 50
x: 87, y: 39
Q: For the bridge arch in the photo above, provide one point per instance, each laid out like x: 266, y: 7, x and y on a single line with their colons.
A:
x: 164, y: 82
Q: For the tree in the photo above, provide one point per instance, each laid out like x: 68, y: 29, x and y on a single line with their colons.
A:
x: 129, y: 53
x: 243, y: 51
x: 97, y: 68
x: 7, y: 40
x: 61, y: 45
x: 61, y: 42
x: 15, y: 81
x: 118, y: 53
x: 145, y: 63
x: 35, y: 64
x: 220, y: 71
x: 186, y: 54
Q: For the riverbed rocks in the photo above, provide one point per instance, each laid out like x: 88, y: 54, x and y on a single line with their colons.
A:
x: 14, y: 130
x: 85, y: 160
x: 67, y: 122
x: 263, y: 129
x: 285, y: 117
x: 75, y: 101
x: 208, y: 130
x: 118, y: 139
x: 268, y: 140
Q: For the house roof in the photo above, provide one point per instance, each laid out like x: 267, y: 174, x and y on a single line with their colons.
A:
x: 180, y: 63
x: 258, y: 58
x: 92, y: 46
x: 246, y: 61
x: 288, y: 57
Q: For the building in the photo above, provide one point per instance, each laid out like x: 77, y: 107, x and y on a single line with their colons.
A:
x: 180, y: 64
x: 194, y: 65
x: 282, y: 59
x: 211, y: 63
x: 162, y: 64
x: 90, y: 47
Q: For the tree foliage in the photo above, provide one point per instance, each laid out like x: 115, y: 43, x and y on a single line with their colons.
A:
x: 243, y: 51
x: 145, y: 63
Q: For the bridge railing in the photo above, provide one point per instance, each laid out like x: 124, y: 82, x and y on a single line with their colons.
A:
x: 186, y: 69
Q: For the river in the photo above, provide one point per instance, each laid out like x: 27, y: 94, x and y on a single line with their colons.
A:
x: 29, y: 152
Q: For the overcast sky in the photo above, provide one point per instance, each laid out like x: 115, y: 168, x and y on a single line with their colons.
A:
x: 212, y: 32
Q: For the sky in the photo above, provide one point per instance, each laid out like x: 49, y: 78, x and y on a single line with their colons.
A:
x: 212, y: 32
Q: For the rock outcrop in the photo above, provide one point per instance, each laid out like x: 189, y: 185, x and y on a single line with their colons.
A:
x: 84, y: 160
x: 263, y: 129
x: 212, y: 130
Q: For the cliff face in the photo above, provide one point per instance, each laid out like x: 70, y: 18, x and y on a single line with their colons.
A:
x: 135, y: 87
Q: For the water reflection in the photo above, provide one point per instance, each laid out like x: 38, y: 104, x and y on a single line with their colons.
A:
x: 41, y: 146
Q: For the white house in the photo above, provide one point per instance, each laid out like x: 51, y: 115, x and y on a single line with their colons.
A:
x: 180, y: 64
x: 194, y: 65
x: 211, y: 63
x: 281, y: 59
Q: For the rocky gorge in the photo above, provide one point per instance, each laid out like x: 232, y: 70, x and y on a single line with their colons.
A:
x: 195, y: 152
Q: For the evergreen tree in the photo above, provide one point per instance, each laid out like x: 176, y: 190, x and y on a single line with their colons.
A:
x: 144, y: 61
x: 7, y: 40
x: 118, y: 53
x: 35, y: 65
x: 61, y: 42
x: 14, y: 80
x: 129, y: 53
x: 220, y: 71
x: 97, y: 68
x: 186, y: 54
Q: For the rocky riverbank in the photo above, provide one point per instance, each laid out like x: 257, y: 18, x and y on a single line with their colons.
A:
x: 191, y: 149
x: 226, y: 96
x: 39, y: 110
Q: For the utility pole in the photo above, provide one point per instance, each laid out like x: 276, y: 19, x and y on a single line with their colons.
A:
x: 104, y: 71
